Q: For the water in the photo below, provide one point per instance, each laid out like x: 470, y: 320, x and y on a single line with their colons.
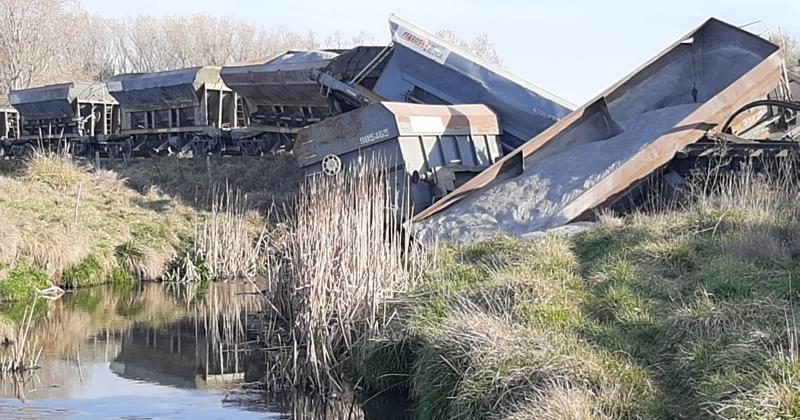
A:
x: 157, y: 351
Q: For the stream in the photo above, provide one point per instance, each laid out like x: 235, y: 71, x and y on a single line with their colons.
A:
x: 160, y: 351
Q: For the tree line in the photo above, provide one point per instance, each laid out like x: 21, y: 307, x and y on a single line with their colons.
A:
x: 53, y: 41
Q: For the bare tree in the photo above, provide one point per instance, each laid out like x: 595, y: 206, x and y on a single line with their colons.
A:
x: 48, y: 41
x: 35, y: 36
x: 790, y: 46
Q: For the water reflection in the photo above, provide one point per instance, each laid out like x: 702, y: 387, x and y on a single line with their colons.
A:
x: 162, y: 351
x: 104, y: 349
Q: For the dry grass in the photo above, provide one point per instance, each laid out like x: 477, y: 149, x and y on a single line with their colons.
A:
x: 268, y: 181
x: 231, y: 239
x: 562, y: 401
x: 73, y: 221
x: 474, y: 365
x: 337, y: 260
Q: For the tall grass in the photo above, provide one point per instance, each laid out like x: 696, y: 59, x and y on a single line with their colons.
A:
x: 338, y: 259
x: 229, y: 242
x: 80, y: 223
x: 226, y: 238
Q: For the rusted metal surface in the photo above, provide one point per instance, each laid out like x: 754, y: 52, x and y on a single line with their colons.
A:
x: 438, y: 146
x: 656, y: 84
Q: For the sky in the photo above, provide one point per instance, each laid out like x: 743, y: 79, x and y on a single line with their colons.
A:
x: 572, y: 48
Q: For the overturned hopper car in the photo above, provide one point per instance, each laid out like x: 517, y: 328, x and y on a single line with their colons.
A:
x: 170, y: 111
x: 68, y: 112
x: 631, y: 130
x: 286, y: 93
x: 426, y: 69
x: 432, y: 149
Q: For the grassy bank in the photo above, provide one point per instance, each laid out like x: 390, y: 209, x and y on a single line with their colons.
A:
x: 76, y: 226
x: 267, y: 181
x: 684, y: 312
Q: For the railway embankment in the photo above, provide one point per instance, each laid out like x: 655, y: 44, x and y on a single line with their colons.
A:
x: 71, y: 225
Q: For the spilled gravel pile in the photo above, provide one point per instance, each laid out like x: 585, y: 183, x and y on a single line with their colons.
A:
x: 529, y: 202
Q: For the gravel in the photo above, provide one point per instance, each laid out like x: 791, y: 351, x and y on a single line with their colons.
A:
x: 528, y: 203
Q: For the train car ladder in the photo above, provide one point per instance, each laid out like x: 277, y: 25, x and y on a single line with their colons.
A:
x: 241, y: 115
x: 108, y: 119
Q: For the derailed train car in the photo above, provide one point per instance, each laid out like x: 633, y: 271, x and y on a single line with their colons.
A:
x: 170, y: 111
x: 68, y: 112
x: 428, y: 149
x: 287, y: 92
x: 297, y: 89
x: 631, y: 131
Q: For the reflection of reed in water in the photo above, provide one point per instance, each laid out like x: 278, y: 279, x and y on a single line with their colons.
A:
x: 296, y: 406
x: 222, y: 315
x: 62, y: 376
x: 204, y: 335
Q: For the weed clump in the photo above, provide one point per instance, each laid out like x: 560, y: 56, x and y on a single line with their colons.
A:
x: 23, y: 282
x: 88, y: 272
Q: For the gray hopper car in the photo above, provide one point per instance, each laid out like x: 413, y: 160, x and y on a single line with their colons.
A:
x: 177, y: 110
x: 431, y: 148
x: 68, y: 111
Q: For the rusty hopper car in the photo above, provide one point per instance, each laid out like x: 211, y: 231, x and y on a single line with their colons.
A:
x: 434, y: 147
x: 72, y: 112
x: 177, y: 110
x: 624, y: 135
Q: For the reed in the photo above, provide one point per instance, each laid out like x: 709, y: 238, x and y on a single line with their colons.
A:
x: 333, y: 265
x: 23, y: 353
x: 229, y: 242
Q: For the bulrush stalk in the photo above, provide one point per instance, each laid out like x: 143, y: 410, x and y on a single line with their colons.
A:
x: 343, y: 255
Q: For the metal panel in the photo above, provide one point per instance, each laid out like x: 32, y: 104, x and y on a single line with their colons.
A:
x: 384, y: 121
x: 422, y: 62
x: 739, y: 67
x: 446, y: 134
x: 164, y: 90
x: 280, y: 81
x: 57, y: 101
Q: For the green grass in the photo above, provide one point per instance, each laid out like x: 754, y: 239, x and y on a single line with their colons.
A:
x: 23, y: 282
x: 85, y: 226
x: 88, y: 272
x: 688, y: 313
